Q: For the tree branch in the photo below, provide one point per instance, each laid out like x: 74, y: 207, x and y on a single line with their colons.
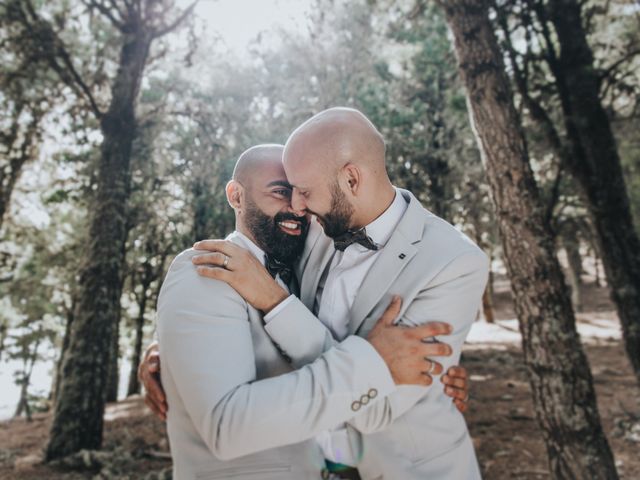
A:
x: 172, y: 26
x: 611, y: 68
x: 106, y: 11
x: 67, y: 73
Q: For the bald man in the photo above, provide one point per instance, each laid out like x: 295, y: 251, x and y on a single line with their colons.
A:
x: 378, y: 242
x: 238, y: 409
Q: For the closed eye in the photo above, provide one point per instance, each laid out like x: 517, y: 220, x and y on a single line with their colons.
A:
x: 285, y: 192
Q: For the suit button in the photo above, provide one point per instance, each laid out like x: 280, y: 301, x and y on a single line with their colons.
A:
x: 373, y: 393
x: 364, y: 399
x: 355, y: 406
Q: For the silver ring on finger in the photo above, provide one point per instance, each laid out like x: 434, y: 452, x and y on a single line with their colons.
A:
x: 432, y: 366
x: 226, y: 261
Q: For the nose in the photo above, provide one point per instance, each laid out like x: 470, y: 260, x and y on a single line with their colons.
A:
x: 298, y: 206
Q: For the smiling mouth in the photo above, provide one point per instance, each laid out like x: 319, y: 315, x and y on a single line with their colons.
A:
x: 291, y: 227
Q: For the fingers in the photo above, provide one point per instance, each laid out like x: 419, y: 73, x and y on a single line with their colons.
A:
x: 153, y: 347
x: 218, y: 259
x: 222, y: 246
x: 153, y: 361
x: 458, y: 372
x: 392, y: 311
x: 457, y: 393
x: 155, y: 395
x: 435, y: 349
x: 150, y: 378
x: 150, y: 363
x: 155, y: 408
x: 435, y: 368
x: 216, y: 273
x: 431, y: 329
x: 460, y: 405
x: 454, y: 382
x: 458, y: 389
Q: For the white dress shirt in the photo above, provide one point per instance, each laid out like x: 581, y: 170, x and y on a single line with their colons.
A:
x: 336, y: 293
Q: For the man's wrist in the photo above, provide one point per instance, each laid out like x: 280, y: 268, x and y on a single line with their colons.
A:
x: 275, y: 299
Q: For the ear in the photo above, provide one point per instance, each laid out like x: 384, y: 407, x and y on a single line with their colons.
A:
x: 235, y: 195
x: 353, y: 178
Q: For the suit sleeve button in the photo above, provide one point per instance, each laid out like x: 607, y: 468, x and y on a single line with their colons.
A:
x: 364, y: 399
x: 373, y: 393
x: 355, y: 406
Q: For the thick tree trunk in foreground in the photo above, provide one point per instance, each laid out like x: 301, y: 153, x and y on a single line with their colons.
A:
x: 78, y: 418
x: 596, y: 165
x: 559, y: 374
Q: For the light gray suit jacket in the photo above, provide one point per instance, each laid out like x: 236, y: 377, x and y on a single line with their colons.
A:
x: 236, y: 407
x: 441, y: 275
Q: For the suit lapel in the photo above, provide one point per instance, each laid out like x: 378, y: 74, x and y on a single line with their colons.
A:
x: 313, y: 236
x: 320, y: 256
x: 395, y: 255
x: 317, y: 252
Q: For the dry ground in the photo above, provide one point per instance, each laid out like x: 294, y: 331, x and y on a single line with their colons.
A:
x: 501, y: 418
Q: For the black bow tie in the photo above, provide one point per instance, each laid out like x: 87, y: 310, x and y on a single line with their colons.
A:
x: 359, y: 236
x: 276, y: 267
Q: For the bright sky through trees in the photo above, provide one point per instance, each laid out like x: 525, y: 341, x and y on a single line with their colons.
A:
x: 237, y: 22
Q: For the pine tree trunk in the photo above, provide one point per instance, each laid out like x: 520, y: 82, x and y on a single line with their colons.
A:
x: 596, y: 165
x: 134, y: 384
x: 558, y: 370
x: 571, y: 246
x: 23, y: 404
x: 487, y: 306
x: 27, y: 371
x: 78, y: 418
x: 63, y: 351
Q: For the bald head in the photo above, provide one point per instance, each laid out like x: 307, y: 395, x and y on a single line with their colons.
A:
x: 339, y: 136
x: 256, y: 158
x: 335, y: 162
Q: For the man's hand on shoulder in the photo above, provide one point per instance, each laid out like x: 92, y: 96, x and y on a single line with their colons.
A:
x: 239, y: 268
x: 149, y: 375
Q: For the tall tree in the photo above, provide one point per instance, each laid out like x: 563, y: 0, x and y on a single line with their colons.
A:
x: 78, y: 417
x: 556, y: 35
x: 558, y: 371
x: 596, y: 165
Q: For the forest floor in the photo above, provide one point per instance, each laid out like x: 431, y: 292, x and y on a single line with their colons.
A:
x: 501, y: 418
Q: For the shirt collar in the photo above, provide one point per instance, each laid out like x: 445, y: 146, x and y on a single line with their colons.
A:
x: 252, y: 247
x: 381, y: 229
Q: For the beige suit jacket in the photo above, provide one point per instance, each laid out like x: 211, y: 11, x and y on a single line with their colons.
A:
x: 441, y: 275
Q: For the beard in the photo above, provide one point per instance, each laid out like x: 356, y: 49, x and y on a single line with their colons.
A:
x: 273, y: 241
x: 336, y: 222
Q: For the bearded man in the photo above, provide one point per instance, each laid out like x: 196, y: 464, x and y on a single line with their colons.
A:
x: 237, y: 406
